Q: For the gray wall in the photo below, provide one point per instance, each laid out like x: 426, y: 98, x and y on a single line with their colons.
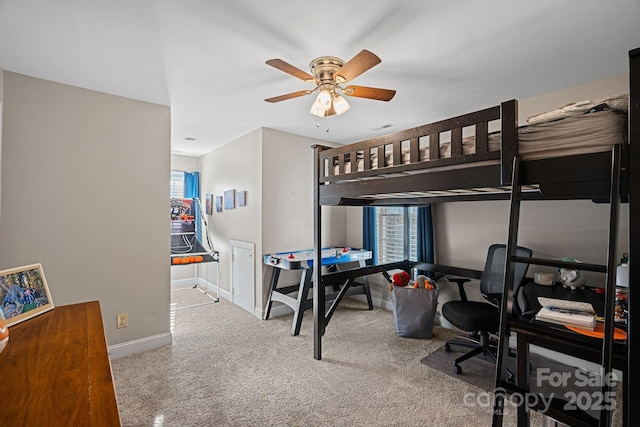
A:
x: 1, y: 102
x: 84, y: 192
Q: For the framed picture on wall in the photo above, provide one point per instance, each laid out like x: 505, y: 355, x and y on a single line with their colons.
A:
x: 209, y: 204
x: 24, y: 293
x: 218, y: 203
x: 241, y: 198
x: 229, y: 199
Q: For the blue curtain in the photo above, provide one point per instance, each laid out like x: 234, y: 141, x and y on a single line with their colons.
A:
x: 369, y: 232
x: 192, y: 185
x: 425, y: 250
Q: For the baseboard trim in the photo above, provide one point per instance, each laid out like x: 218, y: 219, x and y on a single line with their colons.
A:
x: 182, y: 282
x: 140, y: 345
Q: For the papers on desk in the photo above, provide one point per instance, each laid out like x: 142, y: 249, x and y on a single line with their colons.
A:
x: 564, y: 312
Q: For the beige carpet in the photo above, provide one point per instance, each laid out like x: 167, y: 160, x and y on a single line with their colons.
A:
x: 228, y: 368
x: 188, y: 297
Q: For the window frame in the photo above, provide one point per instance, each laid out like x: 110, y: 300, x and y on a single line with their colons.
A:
x: 176, y: 191
x: 409, y: 233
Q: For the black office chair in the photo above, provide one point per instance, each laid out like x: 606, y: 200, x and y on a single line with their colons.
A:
x: 479, y: 318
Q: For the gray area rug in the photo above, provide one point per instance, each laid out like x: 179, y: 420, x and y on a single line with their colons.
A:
x: 227, y: 367
x: 480, y: 372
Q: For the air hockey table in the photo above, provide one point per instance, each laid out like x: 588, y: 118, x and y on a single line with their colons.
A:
x: 303, y: 260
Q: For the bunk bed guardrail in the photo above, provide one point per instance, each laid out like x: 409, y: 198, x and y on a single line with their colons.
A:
x: 419, y: 149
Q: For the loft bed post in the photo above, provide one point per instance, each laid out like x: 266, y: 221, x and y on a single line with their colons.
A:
x: 509, y: 135
x: 318, y: 290
x: 632, y: 382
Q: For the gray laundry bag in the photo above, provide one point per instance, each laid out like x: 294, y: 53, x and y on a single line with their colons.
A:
x: 414, y: 311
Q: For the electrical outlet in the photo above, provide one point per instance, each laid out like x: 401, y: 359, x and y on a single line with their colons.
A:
x: 122, y: 320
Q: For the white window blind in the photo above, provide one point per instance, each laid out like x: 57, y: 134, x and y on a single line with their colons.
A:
x: 176, y: 189
x: 396, y: 233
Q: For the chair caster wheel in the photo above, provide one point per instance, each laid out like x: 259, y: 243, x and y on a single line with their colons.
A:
x: 457, y: 369
x: 447, y: 348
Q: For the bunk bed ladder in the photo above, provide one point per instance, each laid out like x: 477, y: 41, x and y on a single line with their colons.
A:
x: 521, y: 385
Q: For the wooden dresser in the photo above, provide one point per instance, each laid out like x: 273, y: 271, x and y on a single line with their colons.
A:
x: 55, y: 371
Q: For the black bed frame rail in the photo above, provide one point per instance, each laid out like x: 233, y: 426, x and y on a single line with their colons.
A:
x: 329, y: 279
x: 394, y: 143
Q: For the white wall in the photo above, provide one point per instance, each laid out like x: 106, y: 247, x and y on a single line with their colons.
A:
x: 84, y: 192
x: 276, y: 169
x: 236, y: 165
x: 577, y: 229
x: 184, y: 163
x: 287, y: 193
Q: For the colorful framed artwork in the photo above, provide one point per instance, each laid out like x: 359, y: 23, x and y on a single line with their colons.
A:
x: 229, y: 199
x: 24, y: 293
x: 241, y: 198
x: 209, y: 204
x: 218, y: 203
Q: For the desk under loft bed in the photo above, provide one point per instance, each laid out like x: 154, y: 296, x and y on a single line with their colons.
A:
x: 463, y: 159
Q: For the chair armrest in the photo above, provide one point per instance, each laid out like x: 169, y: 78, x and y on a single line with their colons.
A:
x: 460, y: 281
x: 494, y: 298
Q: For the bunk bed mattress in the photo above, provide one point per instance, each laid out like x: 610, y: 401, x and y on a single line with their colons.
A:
x: 581, y: 134
x: 568, y: 136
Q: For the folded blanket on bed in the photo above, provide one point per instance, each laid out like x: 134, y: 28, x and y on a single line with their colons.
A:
x: 616, y: 103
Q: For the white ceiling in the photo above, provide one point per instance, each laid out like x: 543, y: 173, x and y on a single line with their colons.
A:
x: 205, y: 58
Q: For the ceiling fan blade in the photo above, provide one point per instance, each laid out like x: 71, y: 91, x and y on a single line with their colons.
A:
x: 290, y: 69
x: 356, y: 66
x: 370, y: 93
x: 288, y: 96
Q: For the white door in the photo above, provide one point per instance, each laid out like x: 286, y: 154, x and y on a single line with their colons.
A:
x: 243, y: 275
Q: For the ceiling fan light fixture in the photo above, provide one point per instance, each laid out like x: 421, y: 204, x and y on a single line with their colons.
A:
x: 327, y: 73
x: 324, y: 99
x: 340, y: 105
x: 317, y: 110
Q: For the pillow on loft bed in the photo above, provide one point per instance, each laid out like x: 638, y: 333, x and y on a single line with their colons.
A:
x: 616, y: 103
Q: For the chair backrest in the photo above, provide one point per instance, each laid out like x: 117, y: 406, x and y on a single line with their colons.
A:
x: 492, y: 279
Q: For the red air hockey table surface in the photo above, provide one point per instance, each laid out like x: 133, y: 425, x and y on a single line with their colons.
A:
x: 303, y: 260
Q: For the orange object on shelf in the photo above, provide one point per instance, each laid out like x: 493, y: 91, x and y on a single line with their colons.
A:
x: 176, y: 260
x: 598, y: 332
x: 198, y: 258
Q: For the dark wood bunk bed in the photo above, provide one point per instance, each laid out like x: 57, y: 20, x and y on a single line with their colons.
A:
x: 404, y: 177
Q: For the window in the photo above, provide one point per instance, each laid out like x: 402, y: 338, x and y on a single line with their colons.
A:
x: 176, y: 189
x: 394, y: 227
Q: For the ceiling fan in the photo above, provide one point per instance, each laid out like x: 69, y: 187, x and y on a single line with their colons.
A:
x: 328, y: 73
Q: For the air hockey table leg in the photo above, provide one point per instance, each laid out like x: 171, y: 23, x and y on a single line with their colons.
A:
x: 275, y: 274
x: 365, y: 286
x: 303, y: 302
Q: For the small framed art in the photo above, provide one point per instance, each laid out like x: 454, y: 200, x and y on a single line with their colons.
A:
x: 218, y: 203
x: 241, y: 198
x: 24, y: 293
x: 229, y: 199
x: 209, y: 204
